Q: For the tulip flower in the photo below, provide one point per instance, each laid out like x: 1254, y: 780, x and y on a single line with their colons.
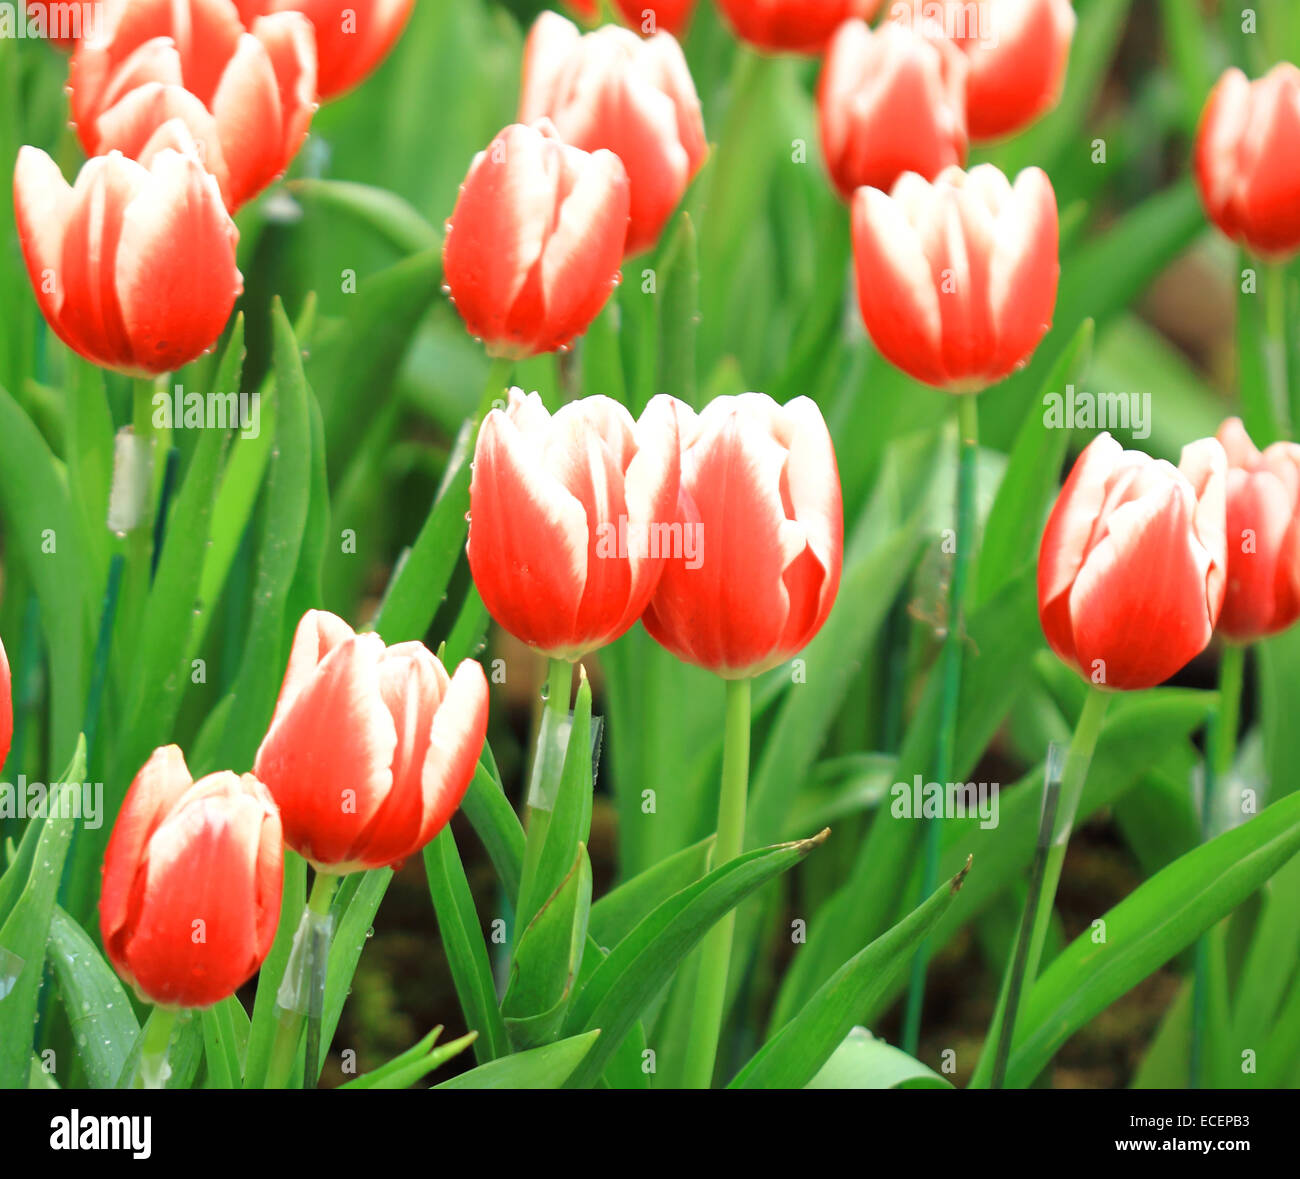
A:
x: 649, y: 17
x: 352, y: 36
x: 610, y: 89
x: 890, y: 101
x: 134, y: 268
x: 371, y: 748
x: 792, y: 26
x: 1017, y: 51
x: 1263, y: 490
x: 533, y: 246
x: 760, y: 498
x: 1132, y: 568
x: 247, y: 98
x: 957, y: 279
x: 191, y: 888
x: 1247, y: 162
x: 571, y: 518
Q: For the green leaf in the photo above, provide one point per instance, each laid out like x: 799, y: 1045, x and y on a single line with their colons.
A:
x: 644, y: 961
x: 412, y: 1065
x: 265, y: 1022
x: 619, y: 911
x: 679, y: 310
x: 225, y: 1037
x: 384, y: 212
x: 354, y: 929
x: 863, y: 1062
x: 26, y: 930
x: 496, y: 824
x: 795, y: 1055
x: 99, y: 1012
x: 547, y: 1067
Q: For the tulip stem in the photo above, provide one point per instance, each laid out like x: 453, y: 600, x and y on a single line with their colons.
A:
x: 1220, y: 753
x: 946, y: 737
x: 715, y: 951
x: 154, y: 1070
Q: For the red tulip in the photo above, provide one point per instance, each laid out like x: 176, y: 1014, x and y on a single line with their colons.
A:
x: 649, y: 17
x: 1248, y: 159
x: 1131, y: 571
x: 1018, y: 51
x: 793, y: 26
x: 246, y: 97
x: 371, y: 748
x: 571, y: 518
x: 533, y: 246
x: 1263, y: 595
x: 352, y: 36
x: 610, y: 89
x: 760, y: 505
x: 192, y: 877
x: 133, y: 268
x: 890, y: 101
x: 957, y: 279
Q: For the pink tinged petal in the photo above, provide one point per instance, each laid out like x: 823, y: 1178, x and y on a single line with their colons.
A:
x: 1223, y: 124
x: 250, y: 119
x: 317, y: 634
x: 290, y: 45
x: 1205, y: 465
x: 1237, y: 445
x: 547, y: 51
x: 1259, y: 518
x: 43, y: 203
x: 527, y: 539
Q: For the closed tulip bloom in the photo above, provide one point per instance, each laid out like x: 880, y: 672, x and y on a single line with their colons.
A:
x: 533, y: 246
x: 653, y: 16
x: 1263, y: 595
x: 957, y: 279
x: 763, y: 526
x: 247, y: 98
x: 192, y: 879
x: 1132, y: 568
x: 352, y: 36
x: 792, y: 26
x: 890, y: 101
x: 371, y: 748
x: 571, y: 517
x: 610, y: 89
x: 1248, y: 159
x: 133, y: 268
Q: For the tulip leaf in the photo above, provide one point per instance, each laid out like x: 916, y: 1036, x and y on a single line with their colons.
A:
x: 645, y: 960
x: 99, y: 1012
x: 496, y: 824
x: 412, y: 1065
x: 1153, y: 923
x: 618, y: 912
x: 225, y: 1037
x: 388, y: 214
x: 462, y: 941
x: 548, y: 958
x: 355, y: 926
x: 863, y: 1062
x: 265, y: 1021
x: 602, y: 361
x: 184, y: 1053
x: 678, y: 296
x: 547, y: 1067
x: 795, y: 1055
x: 26, y: 930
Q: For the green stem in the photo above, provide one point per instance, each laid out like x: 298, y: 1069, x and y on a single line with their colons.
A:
x: 139, y: 540
x: 1220, y: 753
x: 497, y: 385
x: 946, y: 737
x: 153, y: 1050
x: 715, y: 951
x: 1275, y: 345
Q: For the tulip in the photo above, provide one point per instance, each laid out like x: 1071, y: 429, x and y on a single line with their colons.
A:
x: 191, y: 887
x: 352, y: 36
x: 571, y: 518
x: 610, y: 89
x: 247, y: 98
x: 889, y: 102
x: 957, y: 279
x: 371, y: 748
x: 1248, y: 160
x: 533, y: 246
x: 649, y: 17
x: 760, y: 498
x: 1017, y: 51
x: 1263, y: 594
x: 134, y: 268
x: 1132, y: 568
x: 792, y: 26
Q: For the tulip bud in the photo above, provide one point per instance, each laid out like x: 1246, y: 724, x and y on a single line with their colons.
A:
x: 760, y: 503
x: 1017, y: 51
x: 1263, y: 595
x: 890, y: 101
x: 1247, y: 163
x: 192, y: 878
x: 371, y: 748
x: 792, y: 26
x: 957, y: 279
x: 533, y: 246
x: 352, y: 36
x: 649, y: 17
x: 571, y: 518
x: 247, y: 98
x: 134, y: 268
x: 610, y: 89
x: 1131, y: 572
